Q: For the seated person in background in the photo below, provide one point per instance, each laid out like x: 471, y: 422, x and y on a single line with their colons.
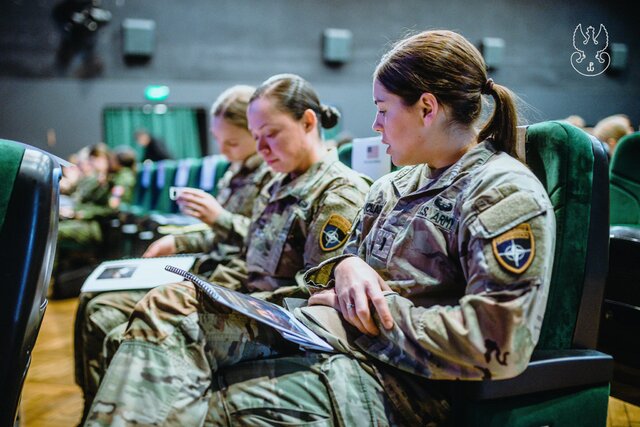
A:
x: 576, y: 121
x: 91, y: 198
x: 301, y: 218
x: 229, y: 218
x: 427, y: 288
x: 124, y: 179
x: 72, y: 174
x: 610, y: 129
x: 154, y: 148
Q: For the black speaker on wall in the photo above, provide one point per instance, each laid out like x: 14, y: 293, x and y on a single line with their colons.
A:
x: 138, y: 40
x: 492, y: 49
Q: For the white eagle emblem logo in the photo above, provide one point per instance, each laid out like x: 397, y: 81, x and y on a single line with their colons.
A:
x: 590, y: 58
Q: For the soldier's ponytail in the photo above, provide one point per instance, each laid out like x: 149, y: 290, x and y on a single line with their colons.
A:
x: 501, y: 126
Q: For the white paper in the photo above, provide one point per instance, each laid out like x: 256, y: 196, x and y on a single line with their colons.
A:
x: 135, y: 273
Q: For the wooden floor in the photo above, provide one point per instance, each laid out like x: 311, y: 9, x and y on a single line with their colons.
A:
x: 51, y: 398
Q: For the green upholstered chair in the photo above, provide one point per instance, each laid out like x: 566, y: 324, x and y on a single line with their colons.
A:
x: 620, y: 322
x: 165, y: 178
x: 29, y: 197
x: 625, y: 182
x: 567, y: 381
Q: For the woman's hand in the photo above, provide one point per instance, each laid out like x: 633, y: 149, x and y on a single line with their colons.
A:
x: 357, y: 284
x: 199, y: 204
x: 163, y: 246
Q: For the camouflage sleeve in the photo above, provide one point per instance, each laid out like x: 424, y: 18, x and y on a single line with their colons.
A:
x: 231, y: 228
x: 123, y: 184
x: 92, y: 210
x: 197, y: 241
x: 506, y: 249
x: 321, y: 277
x: 332, y: 223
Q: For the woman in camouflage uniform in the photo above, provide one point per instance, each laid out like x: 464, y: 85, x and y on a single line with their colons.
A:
x: 445, y: 277
x: 228, y: 216
x: 312, y: 193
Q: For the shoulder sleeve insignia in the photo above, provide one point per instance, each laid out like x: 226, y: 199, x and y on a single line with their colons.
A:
x: 334, y: 232
x: 514, y: 250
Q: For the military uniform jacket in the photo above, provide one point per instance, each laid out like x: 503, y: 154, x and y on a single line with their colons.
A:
x: 93, y: 196
x: 297, y: 224
x: 468, y: 251
x: 237, y: 193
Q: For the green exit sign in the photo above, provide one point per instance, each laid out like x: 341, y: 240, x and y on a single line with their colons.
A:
x: 156, y: 92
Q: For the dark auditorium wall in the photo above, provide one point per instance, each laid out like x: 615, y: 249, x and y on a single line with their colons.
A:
x: 204, y: 46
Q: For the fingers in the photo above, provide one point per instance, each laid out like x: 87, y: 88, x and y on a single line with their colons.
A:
x: 363, y: 314
x: 149, y: 253
x: 381, y: 306
x: 327, y: 297
x: 355, y: 310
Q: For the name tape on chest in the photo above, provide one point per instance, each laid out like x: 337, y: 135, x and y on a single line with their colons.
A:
x: 439, y: 212
x: 334, y: 232
x: 514, y: 250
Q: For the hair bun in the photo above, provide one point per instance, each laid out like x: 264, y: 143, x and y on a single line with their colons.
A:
x: 329, y: 116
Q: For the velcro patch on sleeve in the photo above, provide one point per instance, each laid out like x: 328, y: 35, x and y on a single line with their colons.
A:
x: 334, y: 232
x: 514, y: 249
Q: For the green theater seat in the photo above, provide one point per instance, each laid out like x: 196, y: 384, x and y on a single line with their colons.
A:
x: 567, y: 381
x: 625, y: 182
x: 620, y: 321
x: 29, y: 197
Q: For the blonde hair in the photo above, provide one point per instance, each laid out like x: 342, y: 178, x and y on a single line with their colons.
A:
x: 232, y: 105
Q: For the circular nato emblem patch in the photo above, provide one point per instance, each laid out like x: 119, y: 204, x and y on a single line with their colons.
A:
x: 334, y: 232
x: 515, y: 249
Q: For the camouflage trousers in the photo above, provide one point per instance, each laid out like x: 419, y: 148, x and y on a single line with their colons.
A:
x: 187, y: 361
x: 100, y: 321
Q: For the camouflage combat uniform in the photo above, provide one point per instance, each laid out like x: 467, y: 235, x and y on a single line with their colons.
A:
x: 98, y: 315
x: 296, y: 224
x: 468, y: 251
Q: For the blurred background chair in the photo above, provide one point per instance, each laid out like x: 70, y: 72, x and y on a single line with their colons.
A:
x: 29, y: 197
x: 620, y: 323
x: 567, y: 381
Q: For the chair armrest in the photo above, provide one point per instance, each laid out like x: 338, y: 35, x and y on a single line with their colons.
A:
x: 548, y: 370
x: 624, y: 232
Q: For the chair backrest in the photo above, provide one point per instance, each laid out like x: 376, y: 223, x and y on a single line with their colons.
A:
x: 572, y: 166
x: 212, y: 169
x: 165, y: 178
x: 142, y: 193
x: 625, y: 181
x: 29, y: 197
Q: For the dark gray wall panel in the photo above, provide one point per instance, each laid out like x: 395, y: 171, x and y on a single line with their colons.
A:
x: 205, y: 45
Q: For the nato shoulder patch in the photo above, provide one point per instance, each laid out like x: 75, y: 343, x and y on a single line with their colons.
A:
x: 514, y: 250
x: 334, y: 232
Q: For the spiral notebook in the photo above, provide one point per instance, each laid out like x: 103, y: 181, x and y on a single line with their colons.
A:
x: 134, y: 273
x: 270, y: 314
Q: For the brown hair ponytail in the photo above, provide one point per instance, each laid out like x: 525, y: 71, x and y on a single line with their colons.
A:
x: 501, y: 126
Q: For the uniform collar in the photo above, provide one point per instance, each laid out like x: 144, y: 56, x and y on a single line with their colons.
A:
x: 421, y: 177
x: 302, y: 184
x: 246, y: 166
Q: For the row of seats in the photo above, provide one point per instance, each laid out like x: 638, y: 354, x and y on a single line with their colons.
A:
x: 153, y: 180
x: 620, y: 321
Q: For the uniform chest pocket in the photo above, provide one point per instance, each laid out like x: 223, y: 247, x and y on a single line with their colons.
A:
x: 268, y: 242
